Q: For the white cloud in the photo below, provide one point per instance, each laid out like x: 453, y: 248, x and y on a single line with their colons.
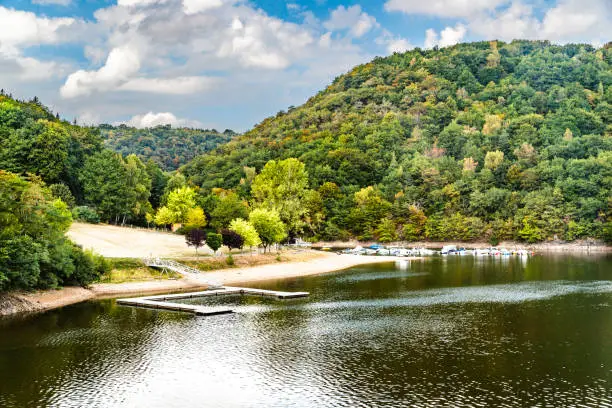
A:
x: 23, y: 28
x: 172, y: 86
x: 567, y: 21
x: 516, y: 21
x: 325, y: 41
x: 137, y: 3
x: 184, y: 49
x: 88, y: 119
x: 53, y: 2
x: 449, y: 36
x: 393, y: 43
x: 197, y: 6
x: 452, y: 35
x: 572, y: 20
x: 358, y: 22
x: 399, y: 45
x: 443, y: 8
x: 162, y: 118
x: 293, y: 7
x: 263, y: 42
x: 121, y: 63
x: 431, y: 38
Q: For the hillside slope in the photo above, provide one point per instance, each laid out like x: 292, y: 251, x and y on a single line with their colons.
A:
x: 490, y: 139
x: 169, y: 147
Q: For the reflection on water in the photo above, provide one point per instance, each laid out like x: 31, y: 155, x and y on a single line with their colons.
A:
x: 460, y: 331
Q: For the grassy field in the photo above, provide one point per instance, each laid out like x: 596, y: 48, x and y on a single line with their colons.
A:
x: 134, y: 270
x: 245, y: 260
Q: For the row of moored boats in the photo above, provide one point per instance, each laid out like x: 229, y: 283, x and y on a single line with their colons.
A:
x: 377, y: 249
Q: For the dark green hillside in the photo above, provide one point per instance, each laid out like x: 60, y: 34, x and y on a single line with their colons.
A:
x: 483, y: 140
x: 169, y: 147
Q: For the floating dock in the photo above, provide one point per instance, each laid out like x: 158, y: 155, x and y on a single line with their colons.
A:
x: 165, y: 301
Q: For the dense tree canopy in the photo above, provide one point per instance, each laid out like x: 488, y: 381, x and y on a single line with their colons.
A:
x: 483, y: 140
x: 486, y: 140
x: 34, y: 253
x: 169, y: 147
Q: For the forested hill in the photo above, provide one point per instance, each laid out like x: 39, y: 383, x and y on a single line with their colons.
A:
x: 488, y: 139
x: 169, y: 147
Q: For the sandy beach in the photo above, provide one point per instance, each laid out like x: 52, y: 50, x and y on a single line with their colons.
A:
x: 24, y: 302
x: 123, y: 242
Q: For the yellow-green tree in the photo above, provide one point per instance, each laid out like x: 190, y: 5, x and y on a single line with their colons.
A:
x: 269, y: 226
x: 282, y: 186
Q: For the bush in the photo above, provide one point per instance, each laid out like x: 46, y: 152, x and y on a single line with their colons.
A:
x: 230, y: 260
x: 88, y: 267
x: 214, y: 241
x: 85, y: 214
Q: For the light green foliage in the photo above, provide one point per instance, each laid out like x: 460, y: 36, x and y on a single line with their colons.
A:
x: 493, y: 159
x: 165, y: 216
x: 247, y: 231
x: 195, y: 218
x: 180, y: 201
x: 176, y: 181
x: 269, y: 226
x: 282, y: 186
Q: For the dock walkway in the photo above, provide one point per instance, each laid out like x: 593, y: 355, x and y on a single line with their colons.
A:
x: 181, y: 269
x: 165, y: 301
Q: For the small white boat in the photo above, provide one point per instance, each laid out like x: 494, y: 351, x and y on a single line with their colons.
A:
x: 448, y: 249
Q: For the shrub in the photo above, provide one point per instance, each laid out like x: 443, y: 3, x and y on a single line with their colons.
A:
x: 86, y: 214
x: 214, y: 241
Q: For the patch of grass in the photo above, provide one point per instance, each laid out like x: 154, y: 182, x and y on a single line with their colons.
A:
x: 209, y: 264
x: 133, y: 270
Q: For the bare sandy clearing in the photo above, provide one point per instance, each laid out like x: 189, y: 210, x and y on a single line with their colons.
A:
x: 122, y: 242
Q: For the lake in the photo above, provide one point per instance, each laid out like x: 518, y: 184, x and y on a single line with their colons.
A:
x: 454, y: 331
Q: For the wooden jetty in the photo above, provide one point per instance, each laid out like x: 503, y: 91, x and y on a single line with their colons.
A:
x: 165, y: 301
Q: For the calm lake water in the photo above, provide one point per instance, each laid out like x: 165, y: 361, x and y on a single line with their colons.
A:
x: 458, y: 331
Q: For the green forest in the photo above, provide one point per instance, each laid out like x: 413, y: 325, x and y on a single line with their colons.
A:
x: 169, y: 147
x: 485, y: 141
x: 480, y: 141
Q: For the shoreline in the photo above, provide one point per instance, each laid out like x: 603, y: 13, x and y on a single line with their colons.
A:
x: 579, y: 246
x: 19, y: 303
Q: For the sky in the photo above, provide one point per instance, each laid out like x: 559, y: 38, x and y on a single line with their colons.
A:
x: 231, y: 63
